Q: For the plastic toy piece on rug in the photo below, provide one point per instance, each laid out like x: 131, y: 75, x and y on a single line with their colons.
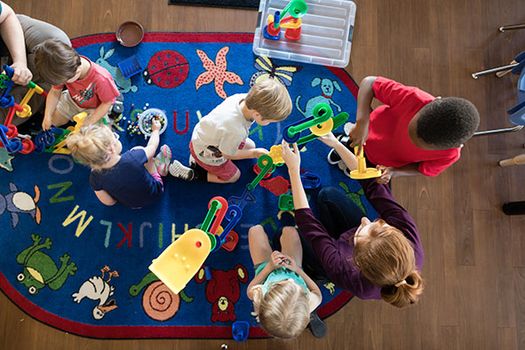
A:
x: 277, y: 185
x: 240, y: 330
x: 286, y: 202
x: 130, y: 66
x: 310, y: 180
x: 177, y: 265
x: 60, y: 148
x: 276, y: 152
x: 231, y: 241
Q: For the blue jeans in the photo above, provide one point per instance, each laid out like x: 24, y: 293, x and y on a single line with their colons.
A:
x: 338, y: 214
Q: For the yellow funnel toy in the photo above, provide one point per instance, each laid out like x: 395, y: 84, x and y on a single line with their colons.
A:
x: 178, y: 263
x: 362, y: 172
x: 60, y: 148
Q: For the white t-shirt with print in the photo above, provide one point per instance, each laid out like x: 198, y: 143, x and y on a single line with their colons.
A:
x: 221, y: 131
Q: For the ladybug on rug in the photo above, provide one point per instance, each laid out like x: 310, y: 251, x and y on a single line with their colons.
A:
x: 167, y: 69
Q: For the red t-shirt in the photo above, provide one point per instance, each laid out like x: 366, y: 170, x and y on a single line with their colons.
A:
x: 95, y: 88
x: 388, y: 142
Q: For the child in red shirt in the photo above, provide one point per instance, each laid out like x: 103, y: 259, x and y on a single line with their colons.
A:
x: 413, y: 132
x: 89, y: 87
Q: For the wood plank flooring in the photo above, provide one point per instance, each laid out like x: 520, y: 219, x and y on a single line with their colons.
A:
x: 475, y: 255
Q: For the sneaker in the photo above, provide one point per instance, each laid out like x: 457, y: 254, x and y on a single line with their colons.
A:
x: 191, y: 161
x: 162, y: 160
x: 317, y: 326
x: 333, y: 158
x: 343, y: 168
x: 180, y: 171
x: 348, y: 127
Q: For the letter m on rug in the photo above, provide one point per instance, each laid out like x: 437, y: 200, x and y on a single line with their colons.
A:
x: 82, y: 222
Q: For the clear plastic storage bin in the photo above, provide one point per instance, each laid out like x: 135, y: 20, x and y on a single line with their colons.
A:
x: 326, y: 37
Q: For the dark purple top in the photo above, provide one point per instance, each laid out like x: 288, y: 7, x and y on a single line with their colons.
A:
x: 336, y: 256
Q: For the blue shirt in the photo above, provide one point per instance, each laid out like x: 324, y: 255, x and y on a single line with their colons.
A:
x: 128, y: 181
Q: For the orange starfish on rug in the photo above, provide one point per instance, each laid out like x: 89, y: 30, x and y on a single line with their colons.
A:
x: 216, y: 72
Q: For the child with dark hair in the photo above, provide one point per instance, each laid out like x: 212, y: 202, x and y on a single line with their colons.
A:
x: 413, y: 132
x: 78, y: 84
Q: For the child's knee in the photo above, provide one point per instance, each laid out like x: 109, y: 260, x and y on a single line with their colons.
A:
x: 256, y: 231
x: 235, y: 177
x: 249, y: 143
x: 289, y: 232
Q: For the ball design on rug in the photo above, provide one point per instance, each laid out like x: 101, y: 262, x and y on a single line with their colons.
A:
x: 167, y: 69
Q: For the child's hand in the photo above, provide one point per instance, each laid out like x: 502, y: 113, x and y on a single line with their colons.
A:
x: 359, y: 134
x: 155, y: 124
x: 257, y: 152
x: 329, y: 140
x: 289, y: 263
x: 291, y: 158
x: 46, y: 123
x: 386, y: 174
x: 276, y: 259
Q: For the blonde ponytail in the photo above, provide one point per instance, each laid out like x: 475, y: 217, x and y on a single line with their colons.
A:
x: 91, y: 145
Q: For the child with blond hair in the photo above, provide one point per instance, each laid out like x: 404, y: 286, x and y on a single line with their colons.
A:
x: 88, y: 86
x: 222, y: 135
x: 283, y: 295
x: 130, y: 178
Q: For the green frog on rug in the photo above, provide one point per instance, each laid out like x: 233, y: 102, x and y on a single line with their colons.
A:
x: 40, y: 270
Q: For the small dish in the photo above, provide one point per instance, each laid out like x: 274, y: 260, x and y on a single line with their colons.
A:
x: 130, y: 33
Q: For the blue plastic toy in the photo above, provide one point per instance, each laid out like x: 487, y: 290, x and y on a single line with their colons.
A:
x: 130, y: 66
x: 310, y: 180
x: 11, y: 145
x: 240, y: 330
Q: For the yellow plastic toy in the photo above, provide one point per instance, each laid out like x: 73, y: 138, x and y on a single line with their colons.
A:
x: 362, y: 172
x: 323, y: 128
x: 60, y: 148
x: 276, y: 153
x: 177, y: 265
x: 26, y: 109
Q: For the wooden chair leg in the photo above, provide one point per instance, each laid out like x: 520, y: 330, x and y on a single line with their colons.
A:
x: 518, y: 160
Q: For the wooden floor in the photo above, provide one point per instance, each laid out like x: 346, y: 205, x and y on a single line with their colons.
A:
x: 475, y: 255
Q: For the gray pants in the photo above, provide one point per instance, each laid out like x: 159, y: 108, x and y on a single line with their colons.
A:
x: 35, y: 32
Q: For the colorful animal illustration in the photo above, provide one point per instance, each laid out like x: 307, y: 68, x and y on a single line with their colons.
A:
x: 39, y: 270
x: 123, y: 84
x: 5, y: 159
x: 167, y: 69
x: 328, y: 88
x: 267, y: 69
x: 354, y: 196
x: 158, y: 301
x: 216, y: 72
x: 330, y: 286
x: 17, y: 202
x: 223, y: 291
x: 98, y: 289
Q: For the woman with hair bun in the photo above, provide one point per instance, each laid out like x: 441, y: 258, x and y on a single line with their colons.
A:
x: 379, y: 259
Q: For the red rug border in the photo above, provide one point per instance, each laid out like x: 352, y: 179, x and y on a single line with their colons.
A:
x: 159, y: 332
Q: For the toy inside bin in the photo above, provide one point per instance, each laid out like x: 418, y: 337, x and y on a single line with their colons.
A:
x: 325, y: 35
x: 130, y: 66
